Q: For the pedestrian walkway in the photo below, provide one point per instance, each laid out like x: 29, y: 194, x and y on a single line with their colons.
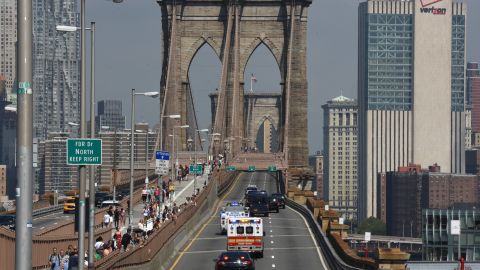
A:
x: 183, y: 190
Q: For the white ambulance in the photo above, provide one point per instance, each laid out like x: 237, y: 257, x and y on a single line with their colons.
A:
x: 232, y: 209
x: 245, y: 234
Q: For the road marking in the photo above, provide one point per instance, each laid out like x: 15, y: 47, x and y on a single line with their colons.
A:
x: 55, y: 223
x: 204, y: 251
x: 42, y: 228
x: 265, y: 182
x: 292, y: 248
x: 292, y: 235
x: 271, y: 230
x: 204, y: 225
x: 313, y: 239
x: 282, y: 227
x: 251, y: 178
x: 211, y: 238
x: 273, y: 257
x: 271, y: 242
x: 273, y: 265
x: 223, y: 250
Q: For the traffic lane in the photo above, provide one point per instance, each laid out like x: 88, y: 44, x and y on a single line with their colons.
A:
x: 288, y: 243
x: 210, y: 243
x: 44, y: 222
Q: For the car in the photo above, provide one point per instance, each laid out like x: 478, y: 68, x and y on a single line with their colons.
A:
x: 273, y: 204
x: 100, y: 197
x: 108, y: 203
x: 123, y: 193
x: 8, y: 221
x: 69, y: 205
x: 250, y: 188
x: 257, y: 204
x: 234, y: 260
x: 280, y: 199
x: 259, y: 209
x: 109, y: 197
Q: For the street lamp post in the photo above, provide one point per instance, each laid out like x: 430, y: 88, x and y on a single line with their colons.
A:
x: 83, y: 131
x: 171, y: 116
x: 195, y: 158
x: 24, y: 146
x: 132, y: 136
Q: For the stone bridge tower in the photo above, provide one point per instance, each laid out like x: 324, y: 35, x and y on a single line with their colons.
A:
x: 234, y: 29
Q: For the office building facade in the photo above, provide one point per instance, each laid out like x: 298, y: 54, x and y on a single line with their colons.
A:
x: 316, y: 163
x: 56, y: 67
x: 55, y: 174
x: 409, y: 190
x: 3, y: 183
x: 109, y: 115
x: 8, y: 48
x: 411, y: 81
x: 473, y: 100
x: 340, y: 155
x: 438, y: 242
x: 116, y: 154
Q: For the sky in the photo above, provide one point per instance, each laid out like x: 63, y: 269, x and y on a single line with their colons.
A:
x: 129, y: 55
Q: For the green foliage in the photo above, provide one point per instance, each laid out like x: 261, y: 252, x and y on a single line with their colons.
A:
x: 373, y: 225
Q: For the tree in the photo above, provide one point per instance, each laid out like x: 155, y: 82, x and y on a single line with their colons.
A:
x: 373, y: 225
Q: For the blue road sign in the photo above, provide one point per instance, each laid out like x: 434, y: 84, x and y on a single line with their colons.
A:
x: 162, y: 155
x: 162, y: 162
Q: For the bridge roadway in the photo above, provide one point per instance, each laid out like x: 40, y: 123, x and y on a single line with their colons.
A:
x: 289, y: 243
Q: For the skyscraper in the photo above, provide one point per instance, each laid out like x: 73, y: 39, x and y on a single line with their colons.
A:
x: 8, y: 34
x: 110, y: 115
x: 411, y: 89
x: 56, y: 70
x: 473, y: 99
x: 340, y: 155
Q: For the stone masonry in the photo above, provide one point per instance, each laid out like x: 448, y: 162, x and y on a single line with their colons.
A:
x: 234, y: 29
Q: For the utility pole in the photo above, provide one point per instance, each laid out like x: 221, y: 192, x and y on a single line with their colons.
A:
x: 91, y: 199
x: 83, y: 135
x: 24, y: 147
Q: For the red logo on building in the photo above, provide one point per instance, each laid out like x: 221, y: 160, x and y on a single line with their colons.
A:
x: 426, y: 3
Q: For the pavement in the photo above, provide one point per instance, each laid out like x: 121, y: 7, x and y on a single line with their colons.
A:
x: 289, y: 242
x: 183, y: 189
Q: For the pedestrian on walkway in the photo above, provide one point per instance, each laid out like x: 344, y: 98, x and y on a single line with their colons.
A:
x: 116, y: 217
x: 54, y: 260
x: 106, y: 220
x: 118, y: 239
x: 127, y: 237
x: 157, y: 194
x: 144, y: 195
x: 64, y: 261
x: 122, y: 216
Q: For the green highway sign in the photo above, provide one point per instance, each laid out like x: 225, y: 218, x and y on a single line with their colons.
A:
x: 272, y: 168
x: 196, y: 169
x: 231, y: 168
x: 251, y: 168
x: 84, y: 152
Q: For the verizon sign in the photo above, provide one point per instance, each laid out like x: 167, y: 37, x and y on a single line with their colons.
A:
x: 428, y: 7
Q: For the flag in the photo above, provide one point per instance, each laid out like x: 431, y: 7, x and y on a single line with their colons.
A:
x: 254, y: 78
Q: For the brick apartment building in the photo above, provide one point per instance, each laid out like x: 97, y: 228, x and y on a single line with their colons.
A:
x: 403, y: 194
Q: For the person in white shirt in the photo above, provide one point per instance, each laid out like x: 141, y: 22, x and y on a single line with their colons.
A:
x: 99, y: 243
x: 106, y: 220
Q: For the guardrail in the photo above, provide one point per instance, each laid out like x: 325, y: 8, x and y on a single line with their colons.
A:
x: 333, y: 260
x: 45, y: 211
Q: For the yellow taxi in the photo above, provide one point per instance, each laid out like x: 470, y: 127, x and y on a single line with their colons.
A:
x: 69, y: 205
